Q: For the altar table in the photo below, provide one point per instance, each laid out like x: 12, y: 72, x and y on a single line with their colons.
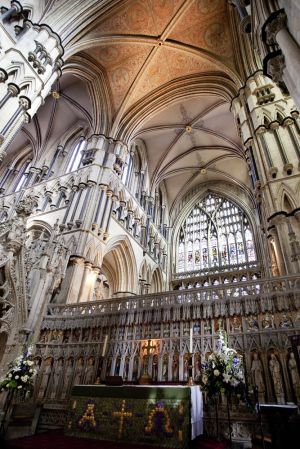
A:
x: 165, y: 416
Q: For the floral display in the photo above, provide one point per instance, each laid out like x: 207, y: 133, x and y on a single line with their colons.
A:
x: 20, y: 374
x: 223, y: 372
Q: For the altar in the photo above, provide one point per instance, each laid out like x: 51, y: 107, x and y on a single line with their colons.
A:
x: 165, y: 416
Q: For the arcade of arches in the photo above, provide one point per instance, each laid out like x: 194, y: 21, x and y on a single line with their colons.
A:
x: 149, y: 185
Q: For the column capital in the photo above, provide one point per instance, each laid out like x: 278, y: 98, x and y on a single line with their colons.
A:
x: 13, y: 89
x: 76, y: 260
x: 24, y: 102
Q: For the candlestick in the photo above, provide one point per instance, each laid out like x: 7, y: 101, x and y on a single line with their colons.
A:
x: 191, y: 338
x: 104, y: 345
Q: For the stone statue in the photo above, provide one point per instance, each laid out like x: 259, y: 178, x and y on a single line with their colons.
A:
x: 37, y: 367
x: 285, y: 321
x: 293, y: 369
x: 185, y: 368
x: 165, y: 368
x: 126, y: 369
x: 155, y: 368
x: 57, y: 375
x: 45, y: 378
x: 175, y: 368
x: 135, y: 369
x: 89, y: 372
x: 258, y: 377
x: 67, y: 378
x: 276, y: 378
x: 197, y: 363
x: 79, y: 372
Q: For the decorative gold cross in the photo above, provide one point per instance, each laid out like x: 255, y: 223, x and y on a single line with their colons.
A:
x: 122, y: 415
x: 148, y: 347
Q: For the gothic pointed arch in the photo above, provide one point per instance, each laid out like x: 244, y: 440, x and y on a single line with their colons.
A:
x: 157, y: 282
x: 119, y: 260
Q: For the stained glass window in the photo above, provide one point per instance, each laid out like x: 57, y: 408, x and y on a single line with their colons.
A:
x: 216, y: 233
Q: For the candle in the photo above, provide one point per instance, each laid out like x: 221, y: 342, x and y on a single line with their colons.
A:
x: 104, y: 345
x: 191, y: 338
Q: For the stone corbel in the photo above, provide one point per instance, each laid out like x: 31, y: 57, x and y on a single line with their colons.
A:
x: 273, y: 172
x: 274, y: 65
x: 288, y: 168
x: 287, y: 121
x: 276, y: 22
x: 274, y: 61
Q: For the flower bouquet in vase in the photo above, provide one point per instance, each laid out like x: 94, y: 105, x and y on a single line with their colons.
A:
x: 19, y: 378
x: 223, y: 375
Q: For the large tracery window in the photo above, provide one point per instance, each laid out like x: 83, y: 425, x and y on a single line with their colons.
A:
x: 216, y: 233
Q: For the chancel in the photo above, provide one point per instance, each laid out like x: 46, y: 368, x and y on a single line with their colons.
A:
x: 149, y: 221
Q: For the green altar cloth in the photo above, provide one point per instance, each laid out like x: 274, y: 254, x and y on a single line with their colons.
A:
x: 146, y: 415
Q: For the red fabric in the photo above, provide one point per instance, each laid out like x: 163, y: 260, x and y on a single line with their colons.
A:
x: 57, y: 440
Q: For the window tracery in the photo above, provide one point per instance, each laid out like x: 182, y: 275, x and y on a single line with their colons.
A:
x: 216, y: 233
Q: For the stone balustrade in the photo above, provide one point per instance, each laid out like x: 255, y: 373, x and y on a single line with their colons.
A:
x: 223, y: 300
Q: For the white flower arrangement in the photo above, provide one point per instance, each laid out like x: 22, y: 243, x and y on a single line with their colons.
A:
x: 20, y: 374
x: 223, y: 371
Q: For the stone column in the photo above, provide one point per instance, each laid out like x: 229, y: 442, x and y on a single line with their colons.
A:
x: 107, y: 211
x: 95, y: 272
x: 283, y: 64
x: 86, y: 282
x: 36, y: 61
x: 73, y: 280
x: 295, y: 249
x: 278, y: 251
x: 12, y: 122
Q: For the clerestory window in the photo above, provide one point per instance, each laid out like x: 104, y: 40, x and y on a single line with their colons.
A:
x: 216, y: 233
x: 76, y: 156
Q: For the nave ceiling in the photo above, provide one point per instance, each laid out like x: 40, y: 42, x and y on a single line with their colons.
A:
x: 167, y: 73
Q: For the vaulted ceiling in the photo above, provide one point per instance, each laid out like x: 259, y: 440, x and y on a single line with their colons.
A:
x: 157, y: 59
x: 145, y: 44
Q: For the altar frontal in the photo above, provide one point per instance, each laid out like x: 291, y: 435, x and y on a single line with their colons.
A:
x: 160, y: 416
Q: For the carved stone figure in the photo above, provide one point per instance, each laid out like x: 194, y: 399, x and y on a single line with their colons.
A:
x: 45, y: 378
x: 126, y: 368
x: 7, y: 317
x: 165, y: 368
x: 135, y: 369
x: 175, y: 367
x: 89, y: 372
x: 185, y: 367
x: 295, y: 380
x: 67, y: 378
x: 57, y: 375
x: 79, y: 372
x: 258, y: 377
x: 37, y: 367
x: 235, y: 324
x: 274, y: 366
x: 197, y: 365
x: 286, y: 321
x: 268, y: 321
x: 252, y: 323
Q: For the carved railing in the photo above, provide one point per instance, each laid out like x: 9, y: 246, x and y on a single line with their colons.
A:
x: 217, y: 270
x: 262, y: 295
